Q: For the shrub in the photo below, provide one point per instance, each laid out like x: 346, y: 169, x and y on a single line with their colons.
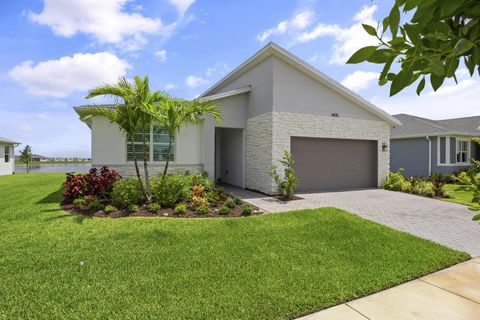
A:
x: 80, y: 202
x: 395, y: 180
x: 230, y: 203
x: 476, y: 217
x: 202, y: 209
x: 289, y: 182
x: 237, y: 200
x: 133, y: 208
x: 202, y: 180
x: 424, y: 188
x: 224, y: 210
x: 95, y: 205
x: 407, y: 186
x: 212, y: 197
x: 462, y: 178
x: 95, y: 182
x: 172, y: 190
x: 126, y: 192
x: 73, y: 187
x: 109, y: 209
x: 246, y: 210
x: 154, y: 207
x: 181, y: 208
x: 449, y: 178
x: 439, y: 189
x: 199, y: 202
x: 198, y: 191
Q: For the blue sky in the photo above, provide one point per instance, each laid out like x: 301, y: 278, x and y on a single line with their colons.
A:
x: 53, y: 51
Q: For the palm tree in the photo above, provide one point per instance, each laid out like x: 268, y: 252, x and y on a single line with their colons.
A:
x: 26, y: 156
x: 125, y: 114
x: 172, y: 114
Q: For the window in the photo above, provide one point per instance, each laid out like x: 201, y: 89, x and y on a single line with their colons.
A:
x: 7, y: 154
x: 156, y: 142
x: 462, y: 151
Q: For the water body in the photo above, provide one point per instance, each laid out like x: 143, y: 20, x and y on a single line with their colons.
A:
x: 61, y: 167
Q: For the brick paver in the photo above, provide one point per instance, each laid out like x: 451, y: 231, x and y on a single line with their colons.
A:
x: 446, y: 223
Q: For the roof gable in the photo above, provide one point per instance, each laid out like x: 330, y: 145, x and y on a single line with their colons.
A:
x: 273, y: 49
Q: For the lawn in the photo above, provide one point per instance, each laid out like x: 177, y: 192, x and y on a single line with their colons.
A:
x: 459, y: 194
x: 277, y: 266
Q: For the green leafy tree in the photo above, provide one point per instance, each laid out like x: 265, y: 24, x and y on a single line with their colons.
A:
x: 26, y: 156
x: 288, y: 182
x: 439, y: 36
x: 125, y: 114
x: 172, y: 114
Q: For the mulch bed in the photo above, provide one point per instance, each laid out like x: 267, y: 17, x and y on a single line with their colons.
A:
x: 164, y: 212
x: 283, y: 198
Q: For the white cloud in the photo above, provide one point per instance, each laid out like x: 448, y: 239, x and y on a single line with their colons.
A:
x: 105, y: 20
x: 161, y: 55
x: 346, y: 40
x: 219, y: 69
x: 43, y: 116
x: 450, y: 101
x: 170, y: 86
x: 359, y: 80
x: 182, y: 5
x: 298, y: 22
x: 194, y: 81
x: 61, y: 77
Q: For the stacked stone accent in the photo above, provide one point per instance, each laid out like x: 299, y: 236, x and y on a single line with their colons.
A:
x: 128, y: 170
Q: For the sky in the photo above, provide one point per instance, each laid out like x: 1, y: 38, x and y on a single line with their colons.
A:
x: 53, y: 51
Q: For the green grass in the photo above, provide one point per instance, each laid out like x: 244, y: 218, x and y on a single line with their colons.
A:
x: 459, y: 194
x: 265, y: 267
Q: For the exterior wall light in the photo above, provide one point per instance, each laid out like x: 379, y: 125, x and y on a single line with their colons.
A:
x: 384, y: 147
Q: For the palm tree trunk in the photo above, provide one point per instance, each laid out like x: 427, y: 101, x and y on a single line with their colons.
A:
x: 136, y: 168
x: 145, y: 167
x: 168, y: 156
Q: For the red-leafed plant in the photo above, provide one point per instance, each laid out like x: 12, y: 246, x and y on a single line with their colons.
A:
x: 94, y: 183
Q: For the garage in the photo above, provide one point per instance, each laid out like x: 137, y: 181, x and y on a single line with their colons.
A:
x: 334, y: 164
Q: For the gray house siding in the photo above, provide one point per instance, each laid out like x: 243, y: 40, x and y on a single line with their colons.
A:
x: 411, y: 155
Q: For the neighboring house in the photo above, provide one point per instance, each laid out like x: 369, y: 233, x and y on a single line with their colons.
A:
x: 7, y: 159
x: 423, y: 146
x: 272, y: 102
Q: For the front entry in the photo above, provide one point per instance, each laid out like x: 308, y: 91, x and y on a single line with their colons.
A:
x: 229, y: 156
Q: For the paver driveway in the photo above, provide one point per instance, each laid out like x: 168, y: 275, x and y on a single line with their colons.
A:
x: 446, y: 223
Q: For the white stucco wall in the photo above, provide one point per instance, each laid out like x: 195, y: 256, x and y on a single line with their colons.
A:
x: 109, y: 148
x: 6, y: 168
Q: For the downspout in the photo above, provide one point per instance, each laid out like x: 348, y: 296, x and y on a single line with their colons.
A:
x: 429, y: 155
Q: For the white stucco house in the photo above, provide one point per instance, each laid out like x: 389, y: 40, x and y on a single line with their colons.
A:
x: 7, y: 159
x: 271, y: 102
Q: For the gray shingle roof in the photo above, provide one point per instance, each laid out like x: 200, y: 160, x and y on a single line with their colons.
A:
x: 417, y: 126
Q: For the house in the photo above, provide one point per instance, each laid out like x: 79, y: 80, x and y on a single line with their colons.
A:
x: 35, y: 158
x: 7, y: 159
x: 272, y: 102
x: 422, y: 146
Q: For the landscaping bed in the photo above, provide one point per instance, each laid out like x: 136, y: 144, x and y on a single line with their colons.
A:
x: 104, y: 193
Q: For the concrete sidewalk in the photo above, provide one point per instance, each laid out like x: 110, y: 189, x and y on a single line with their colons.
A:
x: 450, y: 294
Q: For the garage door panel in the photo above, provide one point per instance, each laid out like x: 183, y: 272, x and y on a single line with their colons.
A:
x: 334, y: 164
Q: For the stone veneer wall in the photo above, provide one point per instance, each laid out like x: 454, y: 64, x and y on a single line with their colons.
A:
x: 268, y: 135
x: 128, y: 170
x: 258, y: 153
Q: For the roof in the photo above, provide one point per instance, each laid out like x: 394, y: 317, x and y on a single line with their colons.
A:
x: 8, y: 141
x: 272, y: 49
x: 413, y: 126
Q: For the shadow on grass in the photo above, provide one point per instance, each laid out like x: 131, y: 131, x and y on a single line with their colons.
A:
x: 54, y: 197
x: 77, y: 218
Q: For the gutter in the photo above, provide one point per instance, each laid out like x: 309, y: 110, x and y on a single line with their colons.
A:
x: 429, y: 155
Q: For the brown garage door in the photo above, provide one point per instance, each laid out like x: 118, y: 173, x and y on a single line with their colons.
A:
x: 334, y: 164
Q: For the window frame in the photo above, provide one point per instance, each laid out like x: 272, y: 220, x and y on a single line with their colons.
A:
x: 150, y: 145
x: 6, y: 154
x: 467, y: 152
